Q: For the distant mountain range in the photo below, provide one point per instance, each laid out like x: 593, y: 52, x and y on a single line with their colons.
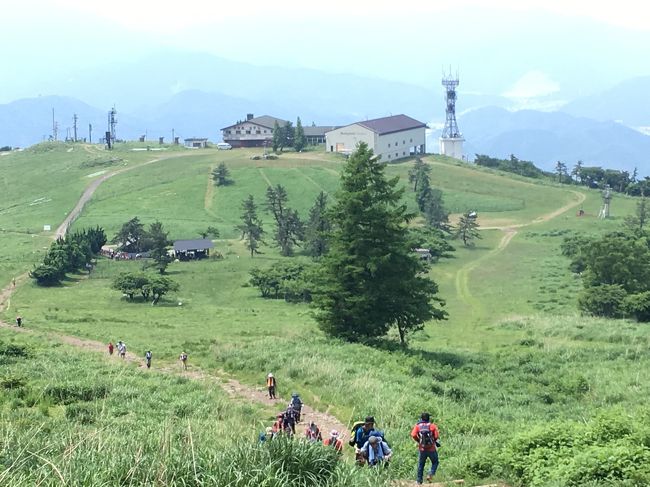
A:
x: 204, y: 93
x: 547, y: 137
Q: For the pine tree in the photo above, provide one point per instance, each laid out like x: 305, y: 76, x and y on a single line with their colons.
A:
x: 318, y: 227
x: 289, y: 227
x: 221, y: 175
x: 371, y: 280
x: 415, y: 173
x: 251, y: 227
x: 299, y: 140
x: 467, y: 230
x: 157, y: 240
x: 278, y: 136
x: 287, y: 136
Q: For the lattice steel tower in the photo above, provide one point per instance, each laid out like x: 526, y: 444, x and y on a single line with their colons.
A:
x: 451, y: 141
x: 112, y: 122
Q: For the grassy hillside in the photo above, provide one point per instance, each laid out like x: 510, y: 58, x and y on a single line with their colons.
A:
x: 514, y: 359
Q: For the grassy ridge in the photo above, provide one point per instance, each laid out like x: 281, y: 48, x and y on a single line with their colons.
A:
x: 501, y: 363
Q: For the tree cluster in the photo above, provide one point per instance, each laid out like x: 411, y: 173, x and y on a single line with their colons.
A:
x: 289, y: 229
x: 513, y: 165
x: 371, y: 281
x: 134, y: 238
x: 291, y: 281
x: 69, y: 254
x: 288, y: 136
x: 615, y: 269
x: 132, y: 284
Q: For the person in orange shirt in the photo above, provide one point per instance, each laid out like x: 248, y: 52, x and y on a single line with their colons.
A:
x: 426, y: 435
x: 271, y: 383
x: 334, y: 441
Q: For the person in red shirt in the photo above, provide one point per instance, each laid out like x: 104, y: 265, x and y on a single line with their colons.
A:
x: 334, y: 442
x: 110, y: 348
x: 425, y: 434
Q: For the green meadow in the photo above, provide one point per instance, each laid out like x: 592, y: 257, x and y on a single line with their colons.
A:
x: 512, y: 368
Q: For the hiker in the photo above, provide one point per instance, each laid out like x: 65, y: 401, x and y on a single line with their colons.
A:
x: 376, y: 451
x: 183, y: 359
x: 296, y: 404
x: 334, y: 442
x: 268, y: 434
x: 123, y: 350
x: 312, y: 433
x: 425, y: 434
x: 19, y: 321
x: 290, y: 420
x: 361, y: 437
x: 278, y: 426
x: 111, y: 348
x: 147, y: 357
x: 271, y: 384
x: 13, y: 282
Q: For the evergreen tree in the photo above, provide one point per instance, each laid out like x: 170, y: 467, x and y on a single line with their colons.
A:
x: 371, y: 280
x: 635, y: 223
x: 278, y: 136
x: 287, y: 136
x: 158, y: 240
x: 576, y: 172
x: 318, y: 227
x: 434, y: 211
x: 251, y: 227
x: 561, y: 171
x: 467, y: 230
x: 221, y: 175
x: 417, y: 171
x: 299, y: 140
x: 289, y: 227
x: 130, y: 237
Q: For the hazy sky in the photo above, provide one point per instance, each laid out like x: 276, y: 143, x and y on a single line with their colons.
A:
x: 514, y: 48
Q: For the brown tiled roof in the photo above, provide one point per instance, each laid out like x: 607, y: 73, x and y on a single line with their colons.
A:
x: 266, y: 121
x: 389, y: 125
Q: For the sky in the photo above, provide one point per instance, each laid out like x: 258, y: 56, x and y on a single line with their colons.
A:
x: 520, y: 49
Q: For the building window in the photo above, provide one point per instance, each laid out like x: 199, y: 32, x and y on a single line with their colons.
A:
x: 248, y: 132
x: 403, y: 153
x: 238, y: 132
x: 411, y: 140
x: 396, y: 154
x: 403, y: 142
x: 388, y: 145
x: 258, y: 132
x: 265, y: 131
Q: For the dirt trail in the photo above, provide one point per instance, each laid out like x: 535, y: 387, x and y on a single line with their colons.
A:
x: 462, y: 276
x: 92, y: 187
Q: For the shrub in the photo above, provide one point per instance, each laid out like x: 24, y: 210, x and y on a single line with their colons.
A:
x: 603, y: 300
x: 69, y: 393
x: 638, y: 306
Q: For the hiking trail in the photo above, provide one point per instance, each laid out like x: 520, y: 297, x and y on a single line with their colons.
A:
x: 462, y: 275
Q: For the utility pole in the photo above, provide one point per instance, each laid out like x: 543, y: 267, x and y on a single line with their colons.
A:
x: 90, y: 133
x: 55, y: 127
x: 74, y: 126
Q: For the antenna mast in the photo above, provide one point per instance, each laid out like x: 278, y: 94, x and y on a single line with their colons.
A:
x: 74, y: 126
x: 607, y: 198
x: 451, y: 140
x: 55, y: 127
x: 112, y: 122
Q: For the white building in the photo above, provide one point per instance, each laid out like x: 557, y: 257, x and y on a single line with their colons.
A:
x: 390, y: 138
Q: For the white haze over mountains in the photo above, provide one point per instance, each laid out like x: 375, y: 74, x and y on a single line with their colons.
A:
x: 200, y: 65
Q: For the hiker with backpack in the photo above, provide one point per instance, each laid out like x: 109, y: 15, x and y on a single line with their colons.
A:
x: 121, y: 349
x: 426, y: 435
x: 376, y: 451
x: 290, y: 420
x: 183, y: 359
x: 334, y: 442
x: 147, y: 358
x: 296, y: 404
x: 362, y: 432
x: 19, y: 321
x: 312, y: 433
x: 110, y: 348
x: 270, y: 384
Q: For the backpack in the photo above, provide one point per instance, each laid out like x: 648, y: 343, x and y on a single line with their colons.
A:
x: 353, y: 432
x: 425, y: 435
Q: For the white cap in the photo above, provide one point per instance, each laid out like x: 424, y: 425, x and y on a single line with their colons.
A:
x: 334, y: 433
x: 270, y: 374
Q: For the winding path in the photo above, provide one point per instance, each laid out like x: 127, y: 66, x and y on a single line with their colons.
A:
x: 462, y: 276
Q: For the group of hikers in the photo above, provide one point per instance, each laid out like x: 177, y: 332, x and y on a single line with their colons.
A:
x: 121, y: 352
x: 370, y: 445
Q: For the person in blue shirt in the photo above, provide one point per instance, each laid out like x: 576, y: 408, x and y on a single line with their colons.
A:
x: 364, y: 432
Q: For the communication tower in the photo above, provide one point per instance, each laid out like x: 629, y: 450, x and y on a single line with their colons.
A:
x: 451, y: 141
x: 112, y: 122
x: 55, y: 127
x: 607, y: 198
